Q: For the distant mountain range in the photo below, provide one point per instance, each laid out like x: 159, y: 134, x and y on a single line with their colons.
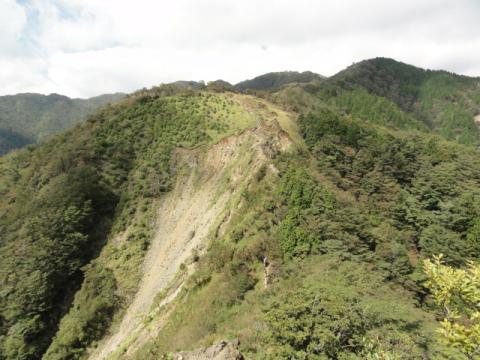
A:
x: 30, y: 118
x: 442, y: 101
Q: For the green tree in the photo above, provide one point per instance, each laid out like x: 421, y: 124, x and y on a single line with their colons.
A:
x: 308, y: 325
x: 457, y: 293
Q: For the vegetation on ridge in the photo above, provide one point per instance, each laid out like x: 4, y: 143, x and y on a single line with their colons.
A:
x: 275, y: 80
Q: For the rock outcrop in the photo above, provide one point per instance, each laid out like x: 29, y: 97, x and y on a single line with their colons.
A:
x: 224, y: 350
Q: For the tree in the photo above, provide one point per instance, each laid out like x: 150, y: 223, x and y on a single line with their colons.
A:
x: 457, y: 293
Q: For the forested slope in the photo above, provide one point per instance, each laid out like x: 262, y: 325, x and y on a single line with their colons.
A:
x: 444, y: 102
x: 29, y: 118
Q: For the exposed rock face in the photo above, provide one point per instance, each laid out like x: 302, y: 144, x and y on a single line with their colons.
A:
x: 224, y: 350
x: 477, y: 119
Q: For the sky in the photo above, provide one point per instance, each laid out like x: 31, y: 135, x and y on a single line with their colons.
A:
x: 83, y: 48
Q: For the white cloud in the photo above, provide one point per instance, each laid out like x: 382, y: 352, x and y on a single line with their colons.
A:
x: 87, y: 47
x: 12, y: 21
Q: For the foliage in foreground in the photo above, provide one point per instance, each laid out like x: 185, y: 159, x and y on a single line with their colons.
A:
x: 457, y: 293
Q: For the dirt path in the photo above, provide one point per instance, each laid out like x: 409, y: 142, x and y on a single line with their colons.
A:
x: 186, y: 217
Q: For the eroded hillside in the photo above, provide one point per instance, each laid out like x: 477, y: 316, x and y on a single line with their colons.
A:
x: 210, y: 180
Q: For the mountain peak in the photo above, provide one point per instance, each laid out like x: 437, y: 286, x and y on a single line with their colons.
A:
x: 275, y: 80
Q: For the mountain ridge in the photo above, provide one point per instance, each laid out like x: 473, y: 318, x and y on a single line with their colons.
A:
x: 274, y: 80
